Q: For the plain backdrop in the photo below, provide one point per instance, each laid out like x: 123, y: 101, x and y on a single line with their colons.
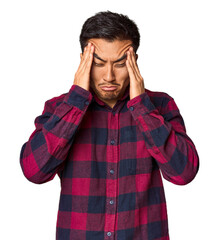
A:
x: 39, y: 55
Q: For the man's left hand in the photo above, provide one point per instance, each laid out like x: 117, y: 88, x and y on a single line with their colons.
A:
x: 136, y: 80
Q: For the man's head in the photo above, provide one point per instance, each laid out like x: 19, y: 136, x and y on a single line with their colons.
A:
x: 110, y: 26
x: 112, y: 35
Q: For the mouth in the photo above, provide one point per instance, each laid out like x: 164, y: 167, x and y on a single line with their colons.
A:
x: 109, y: 88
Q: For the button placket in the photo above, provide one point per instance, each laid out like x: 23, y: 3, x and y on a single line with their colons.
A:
x: 111, y: 187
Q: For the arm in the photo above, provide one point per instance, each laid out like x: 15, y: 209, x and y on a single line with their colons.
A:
x: 164, y: 131
x: 45, y: 152
x: 165, y: 138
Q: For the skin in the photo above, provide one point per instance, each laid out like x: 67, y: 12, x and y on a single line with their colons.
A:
x: 105, y: 63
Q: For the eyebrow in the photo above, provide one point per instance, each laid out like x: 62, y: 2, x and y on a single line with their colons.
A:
x: 118, y: 60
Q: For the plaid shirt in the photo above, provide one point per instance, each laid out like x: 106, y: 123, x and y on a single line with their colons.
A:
x: 109, y: 162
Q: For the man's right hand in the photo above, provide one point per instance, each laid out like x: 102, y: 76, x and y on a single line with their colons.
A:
x: 82, y: 76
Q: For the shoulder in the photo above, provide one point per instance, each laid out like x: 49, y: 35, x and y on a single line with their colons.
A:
x: 164, y: 103
x: 51, y: 104
x: 56, y: 100
x: 159, y: 99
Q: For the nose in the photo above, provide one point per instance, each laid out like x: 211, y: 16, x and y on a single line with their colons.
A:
x: 109, y: 75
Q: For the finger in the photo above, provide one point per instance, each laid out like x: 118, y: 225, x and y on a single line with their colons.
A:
x: 87, y: 63
x: 85, y: 56
x: 86, y: 52
x: 90, y: 58
x: 134, y: 65
x: 131, y: 64
x: 130, y: 67
x: 134, y: 62
x: 129, y: 58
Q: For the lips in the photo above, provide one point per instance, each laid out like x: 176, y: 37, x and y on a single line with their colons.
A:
x: 108, y: 88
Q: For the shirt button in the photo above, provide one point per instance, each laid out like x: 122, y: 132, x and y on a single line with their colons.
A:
x: 109, y: 234
x: 87, y: 103
x: 111, y: 202
x: 112, y: 142
x: 112, y: 171
x: 131, y: 108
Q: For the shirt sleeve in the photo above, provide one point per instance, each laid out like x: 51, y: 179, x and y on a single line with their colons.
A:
x: 166, y: 138
x: 44, y: 154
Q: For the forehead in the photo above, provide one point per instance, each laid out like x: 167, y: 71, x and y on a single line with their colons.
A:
x: 110, y: 51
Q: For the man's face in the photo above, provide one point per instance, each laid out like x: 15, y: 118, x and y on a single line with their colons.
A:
x: 109, y: 69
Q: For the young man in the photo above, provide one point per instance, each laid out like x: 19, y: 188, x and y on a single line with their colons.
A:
x: 108, y: 139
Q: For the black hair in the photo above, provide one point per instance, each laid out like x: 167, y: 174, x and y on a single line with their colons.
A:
x: 110, y: 26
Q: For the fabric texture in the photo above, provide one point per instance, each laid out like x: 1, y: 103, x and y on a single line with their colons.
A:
x: 110, y: 161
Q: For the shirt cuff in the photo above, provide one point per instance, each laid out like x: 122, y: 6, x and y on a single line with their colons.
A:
x: 78, y: 97
x: 140, y: 105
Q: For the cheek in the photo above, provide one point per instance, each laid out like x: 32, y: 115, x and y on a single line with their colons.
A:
x: 121, y: 74
x: 93, y: 77
x: 96, y: 73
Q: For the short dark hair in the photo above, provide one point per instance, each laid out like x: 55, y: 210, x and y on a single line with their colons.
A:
x: 110, y: 26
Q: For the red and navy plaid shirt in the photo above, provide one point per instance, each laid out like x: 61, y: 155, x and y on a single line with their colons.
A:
x: 109, y: 161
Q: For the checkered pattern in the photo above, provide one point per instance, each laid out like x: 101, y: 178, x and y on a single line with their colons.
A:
x: 110, y: 163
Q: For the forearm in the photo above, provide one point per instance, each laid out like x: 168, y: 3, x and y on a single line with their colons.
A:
x: 166, y: 139
x: 45, y: 152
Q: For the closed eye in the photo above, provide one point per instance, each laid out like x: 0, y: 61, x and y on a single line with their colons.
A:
x: 120, y: 65
x: 116, y: 65
x: 98, y: 64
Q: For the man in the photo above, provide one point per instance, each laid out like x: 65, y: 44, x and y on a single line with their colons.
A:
x: 108, y: 139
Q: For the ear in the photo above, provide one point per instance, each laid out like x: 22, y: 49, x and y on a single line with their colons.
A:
x: 136, y: 56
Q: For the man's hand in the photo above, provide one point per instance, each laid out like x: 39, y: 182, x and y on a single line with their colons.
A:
x: 82, y: 76
x: 136, y: 80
